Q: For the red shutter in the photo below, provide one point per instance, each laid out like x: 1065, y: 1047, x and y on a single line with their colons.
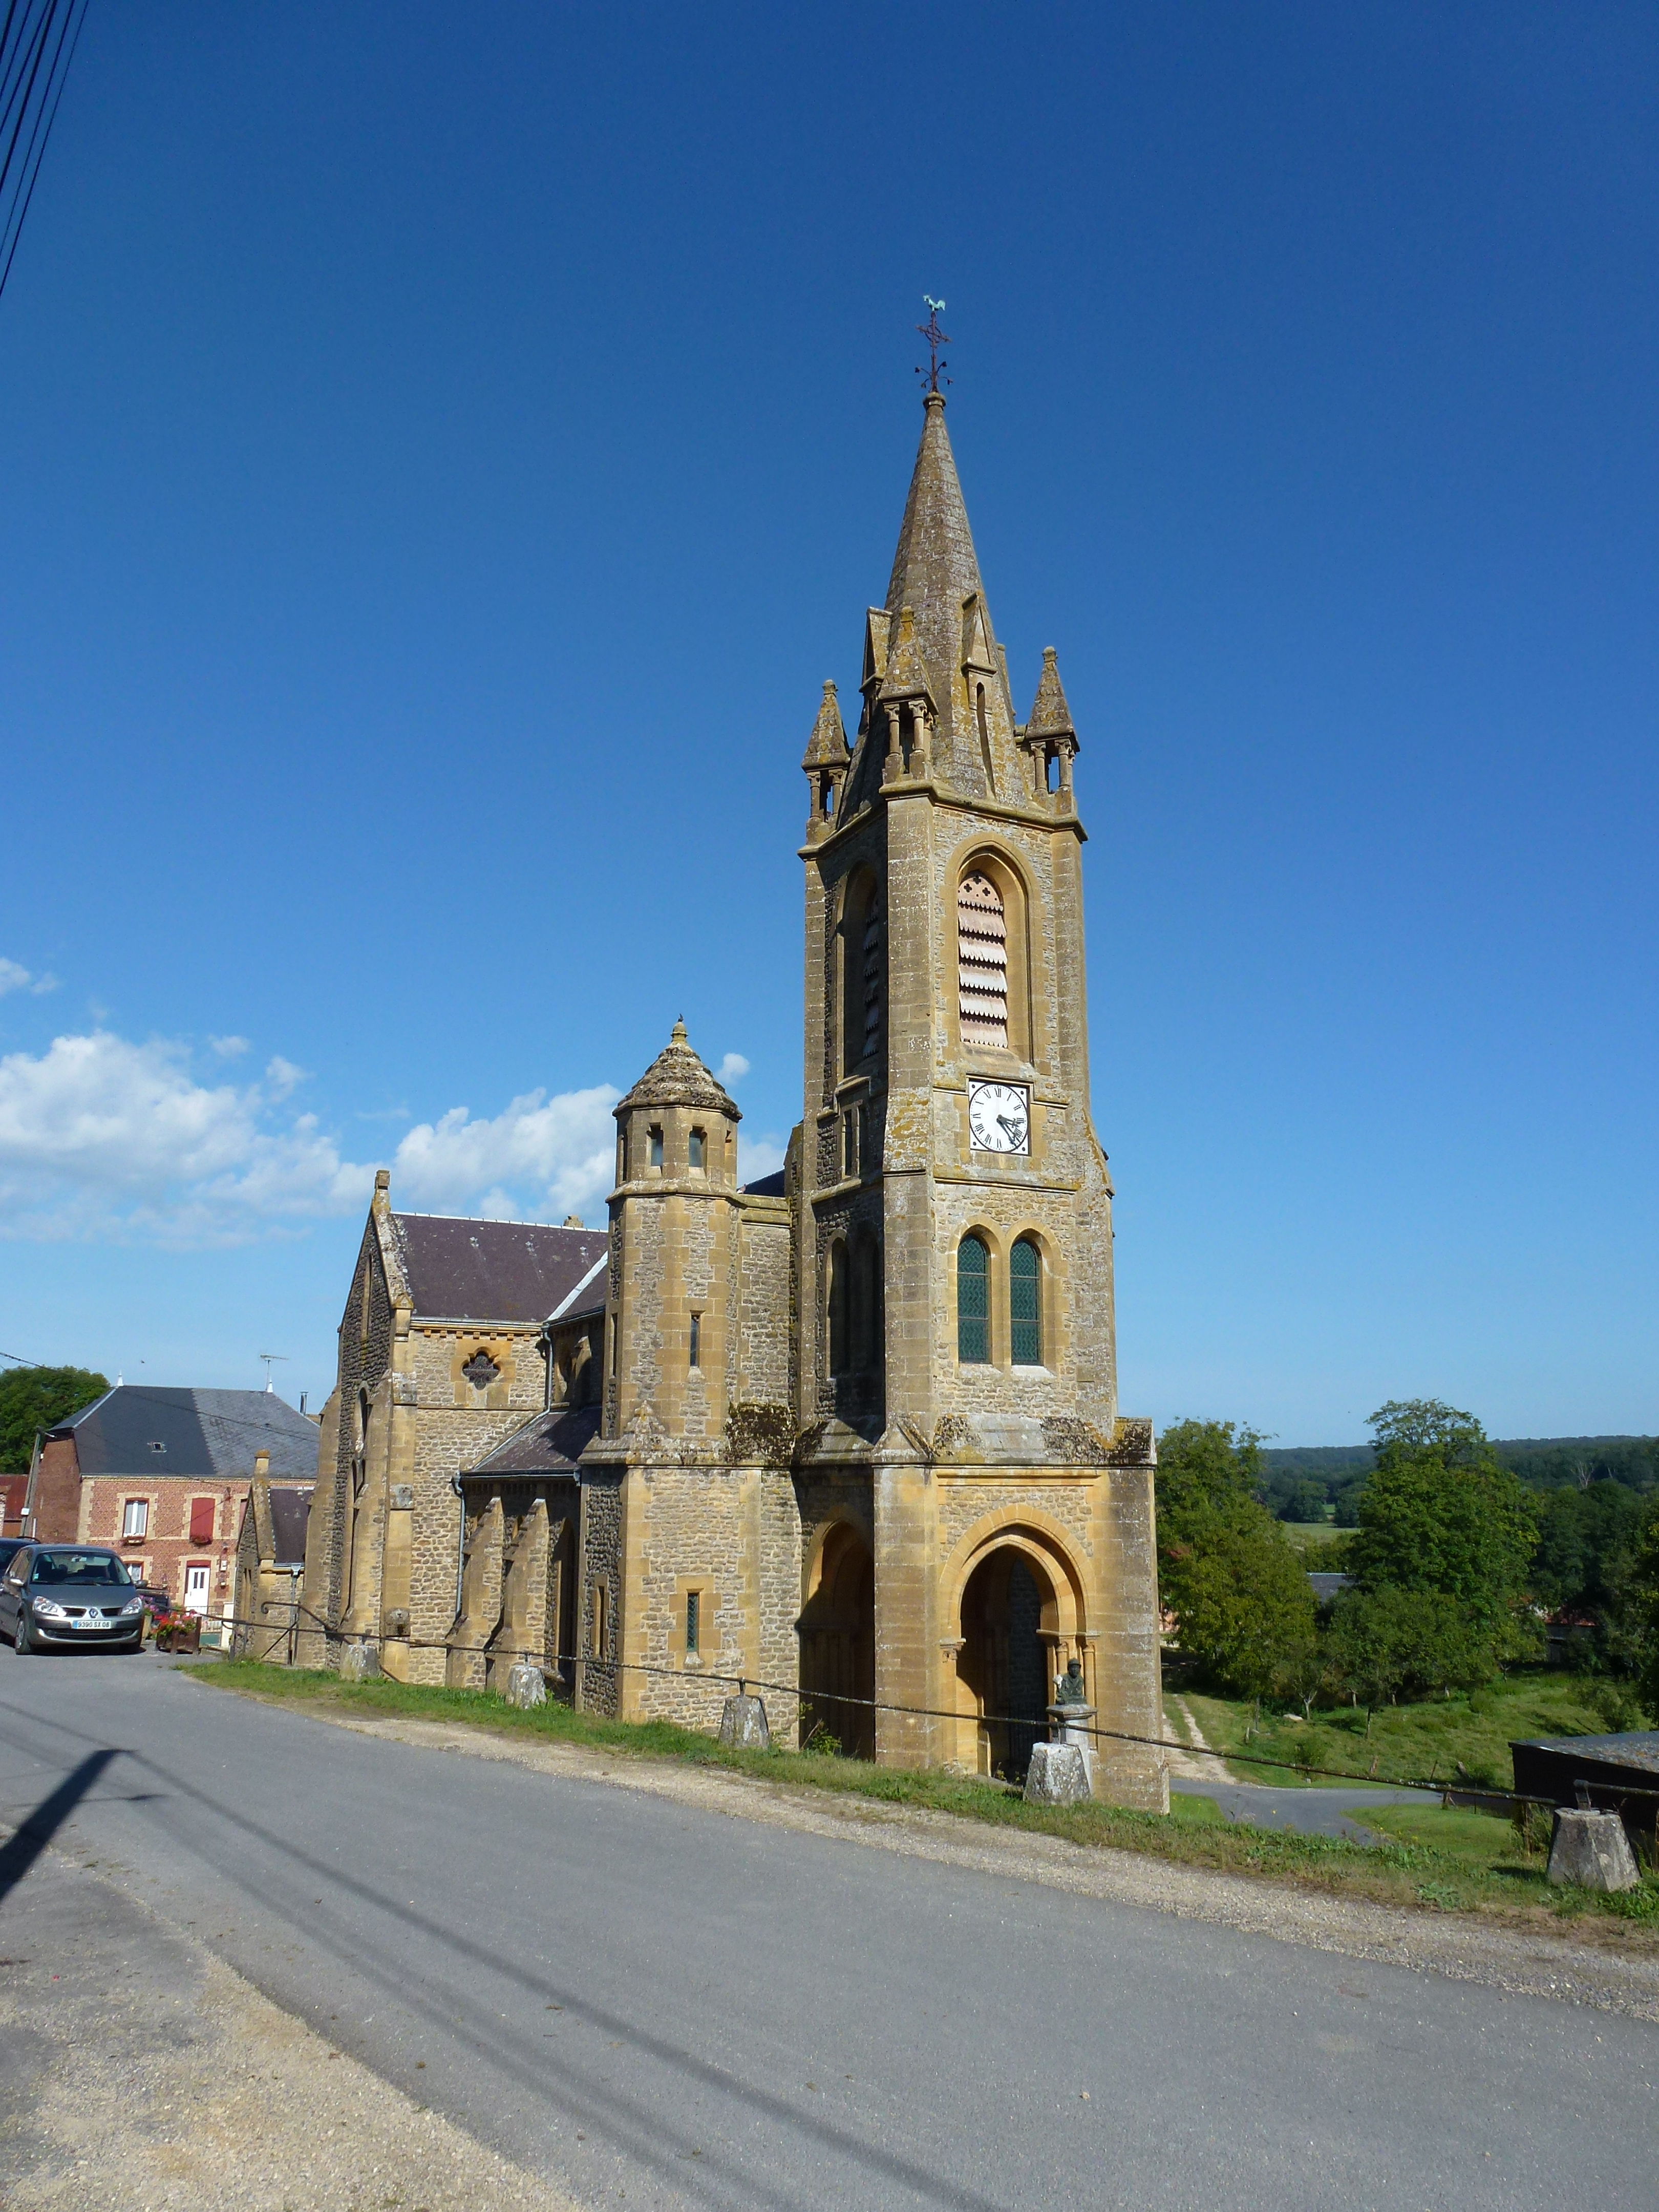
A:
x: 201, y: 1520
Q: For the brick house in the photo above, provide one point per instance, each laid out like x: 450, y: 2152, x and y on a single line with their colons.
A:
x: 160, y: 1475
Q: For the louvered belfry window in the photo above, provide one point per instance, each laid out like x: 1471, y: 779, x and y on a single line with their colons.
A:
x: 982, y: 961
x: 871, y: 978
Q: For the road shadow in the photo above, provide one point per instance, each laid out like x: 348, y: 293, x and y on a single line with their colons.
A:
x: 32, y: 1836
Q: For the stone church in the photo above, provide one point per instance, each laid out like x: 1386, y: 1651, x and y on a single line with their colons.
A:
x: 851, y: 1431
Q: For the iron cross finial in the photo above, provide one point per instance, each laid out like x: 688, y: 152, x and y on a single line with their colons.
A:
x: 936, y: 338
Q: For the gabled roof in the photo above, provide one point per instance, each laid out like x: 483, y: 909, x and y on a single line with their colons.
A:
x: 507, y: 1271
x: 551, y: 1444
x: 208, y: 1435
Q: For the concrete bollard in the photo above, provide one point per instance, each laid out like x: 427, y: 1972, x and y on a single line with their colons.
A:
x: 359, y: 1662
x: 1058, y: 1775
x: 526, y: 1685
x: 1592, y: 1849
x: 742, y: 1724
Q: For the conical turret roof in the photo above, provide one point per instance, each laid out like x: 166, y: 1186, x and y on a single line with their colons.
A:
x: 1050, y: 716
x: 678, y: 1077
x: 826, y: 746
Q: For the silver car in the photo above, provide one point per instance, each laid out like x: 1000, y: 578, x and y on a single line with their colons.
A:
x: 54, y: 1596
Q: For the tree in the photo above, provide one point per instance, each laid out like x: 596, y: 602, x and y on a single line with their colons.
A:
x: 1225, y: 1568
x: 1441, y: 1516
x: 33, y: 1398
x: 1387, y: 1641
x: 1635, y: 1607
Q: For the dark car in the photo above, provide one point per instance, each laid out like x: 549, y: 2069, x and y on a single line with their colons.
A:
x: 54, y: 1596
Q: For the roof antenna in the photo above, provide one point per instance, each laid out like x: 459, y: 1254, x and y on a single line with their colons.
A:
x: 270, y: 1388
x: 936, y: 338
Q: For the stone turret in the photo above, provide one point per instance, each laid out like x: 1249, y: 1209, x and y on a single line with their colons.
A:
x: 825, y: 763
x: 673, y: 1254
x: 1050, y: 736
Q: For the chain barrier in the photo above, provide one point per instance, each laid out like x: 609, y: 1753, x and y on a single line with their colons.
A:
x: 557, y: 1662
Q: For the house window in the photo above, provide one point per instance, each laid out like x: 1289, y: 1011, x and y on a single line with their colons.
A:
x: 201, y: 1522
x: 982, y: 961
x: 135, y: 1520
x: 1026, y: 1304
x: 654, y: 1145
x: 850, y: 1144
x: 696, y: 1339
x: 693, y: 1623
x: 973, y: 1301
x: 699, y: 1152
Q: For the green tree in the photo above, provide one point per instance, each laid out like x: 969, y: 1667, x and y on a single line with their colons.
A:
x: 1387, y: 1641
x: 33, y: 1398
x: 1635, y: 1608
x: 1441, y: 1516
x: 1225, y: 1568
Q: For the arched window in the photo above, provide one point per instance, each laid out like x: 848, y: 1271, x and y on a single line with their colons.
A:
x: 838, y: 1308
x: 864, y: 1321
x: 973, y: 1301
x: 982, y: 961
x: 1026, y: 1304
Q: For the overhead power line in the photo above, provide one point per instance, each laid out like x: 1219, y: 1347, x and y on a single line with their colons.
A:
x: 38, y: 40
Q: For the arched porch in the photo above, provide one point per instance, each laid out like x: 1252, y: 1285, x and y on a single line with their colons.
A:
x: 837, y: 1631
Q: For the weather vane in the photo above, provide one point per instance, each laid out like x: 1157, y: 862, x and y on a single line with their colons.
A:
x: 936, y: 338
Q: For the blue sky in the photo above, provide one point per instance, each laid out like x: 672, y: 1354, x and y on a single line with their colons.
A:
x: 446, y: 452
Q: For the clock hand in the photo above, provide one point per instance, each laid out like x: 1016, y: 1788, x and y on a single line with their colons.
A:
x: 1012, y: 1128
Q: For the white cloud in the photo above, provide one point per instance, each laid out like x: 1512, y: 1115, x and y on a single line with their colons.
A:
x: 229, y: 1048
x: 14, y: 978
x: 558, y: 1153
x: 103, y: 1137
x: 281, y: 1076
x: 733, y: 1068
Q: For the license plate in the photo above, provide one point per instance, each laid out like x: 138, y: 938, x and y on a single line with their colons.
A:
x: 93, y: 1620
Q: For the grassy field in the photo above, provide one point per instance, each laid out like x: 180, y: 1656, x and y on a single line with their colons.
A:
x: 1308, y: 1535
x: 1416, y: 1871
x: 1471, y: 1730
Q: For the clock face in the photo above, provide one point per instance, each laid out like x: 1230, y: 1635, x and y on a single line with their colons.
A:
x: 1000, y: 1117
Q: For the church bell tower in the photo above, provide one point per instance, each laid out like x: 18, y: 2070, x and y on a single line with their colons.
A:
x: 956, y: 1368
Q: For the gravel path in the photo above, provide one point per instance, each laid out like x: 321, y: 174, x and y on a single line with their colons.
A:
x: 140, y: 2073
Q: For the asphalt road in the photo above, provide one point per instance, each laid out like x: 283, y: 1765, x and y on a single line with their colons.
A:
x: 1308, y: 1812
x: 651, y: 2004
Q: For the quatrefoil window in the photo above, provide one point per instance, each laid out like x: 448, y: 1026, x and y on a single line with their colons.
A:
x: 480, y: 1370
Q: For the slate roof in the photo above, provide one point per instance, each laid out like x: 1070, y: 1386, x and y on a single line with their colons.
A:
x: 208, y: 1435
x: 506, y: 1271
x: 1638, y: 1748
x: 772, y: 1186
x: 551, y: 1444
x: 290, y: 1509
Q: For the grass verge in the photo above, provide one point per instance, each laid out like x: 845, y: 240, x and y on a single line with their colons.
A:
x: 1414, y: 1743
x: 1440, y: 1869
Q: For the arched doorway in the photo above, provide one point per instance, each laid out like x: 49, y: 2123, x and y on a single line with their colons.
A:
x: 1003, y: 1661
x: 838, y: 1645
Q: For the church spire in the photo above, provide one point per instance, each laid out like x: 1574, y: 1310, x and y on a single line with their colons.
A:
x: 935, y: 575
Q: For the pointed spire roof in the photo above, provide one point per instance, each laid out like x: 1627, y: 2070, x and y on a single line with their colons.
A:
x: 1050, y: 716
x: 678, y: 1077
x: 934, y: 568
x: 826, y: 746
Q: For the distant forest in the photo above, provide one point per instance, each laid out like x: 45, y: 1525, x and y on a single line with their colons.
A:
x: 1323, y: 1482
